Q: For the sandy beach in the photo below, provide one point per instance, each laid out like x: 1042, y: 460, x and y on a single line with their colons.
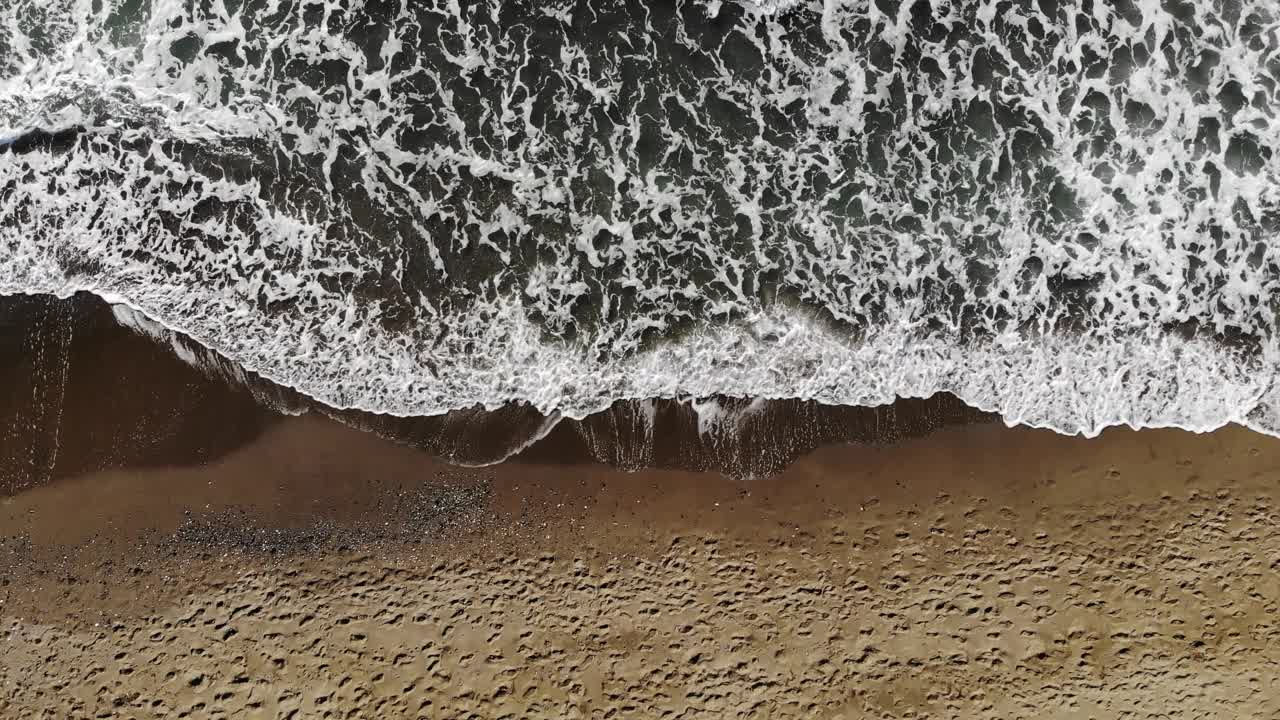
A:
x: 319, y: 571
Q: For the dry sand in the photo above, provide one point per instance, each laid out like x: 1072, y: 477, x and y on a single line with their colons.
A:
x: 981, y: 572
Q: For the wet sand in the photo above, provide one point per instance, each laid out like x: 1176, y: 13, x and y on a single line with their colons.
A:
x: 186, y: 552
x: 980, y: 572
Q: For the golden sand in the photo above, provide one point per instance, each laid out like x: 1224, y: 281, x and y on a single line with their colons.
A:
x: 981, y: 572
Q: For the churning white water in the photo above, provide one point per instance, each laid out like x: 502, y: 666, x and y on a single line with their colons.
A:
x: 1064, y: 211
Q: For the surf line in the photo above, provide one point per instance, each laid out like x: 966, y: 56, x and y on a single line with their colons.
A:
x: 40, y: 139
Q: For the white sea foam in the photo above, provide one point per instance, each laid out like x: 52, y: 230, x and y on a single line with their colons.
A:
x: 409, y: 208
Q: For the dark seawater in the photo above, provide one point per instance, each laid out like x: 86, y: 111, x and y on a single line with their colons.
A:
x: 1064, y: 213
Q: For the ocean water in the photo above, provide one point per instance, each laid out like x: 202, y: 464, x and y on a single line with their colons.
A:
x: 1063, y: 212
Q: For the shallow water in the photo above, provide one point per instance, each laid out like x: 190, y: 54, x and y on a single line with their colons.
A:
x: 80, y: 394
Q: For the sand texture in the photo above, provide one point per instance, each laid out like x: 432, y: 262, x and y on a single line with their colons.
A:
x: 982, y: 572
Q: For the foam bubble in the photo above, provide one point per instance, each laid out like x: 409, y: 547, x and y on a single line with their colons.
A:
x: 1061, y: 212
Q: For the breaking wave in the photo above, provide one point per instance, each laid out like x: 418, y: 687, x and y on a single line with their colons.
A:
x: 1062, y: 212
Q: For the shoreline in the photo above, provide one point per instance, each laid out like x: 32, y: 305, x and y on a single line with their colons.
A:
x: 88, y: 394
x: 1048, y: 373
x: 186, y: 551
